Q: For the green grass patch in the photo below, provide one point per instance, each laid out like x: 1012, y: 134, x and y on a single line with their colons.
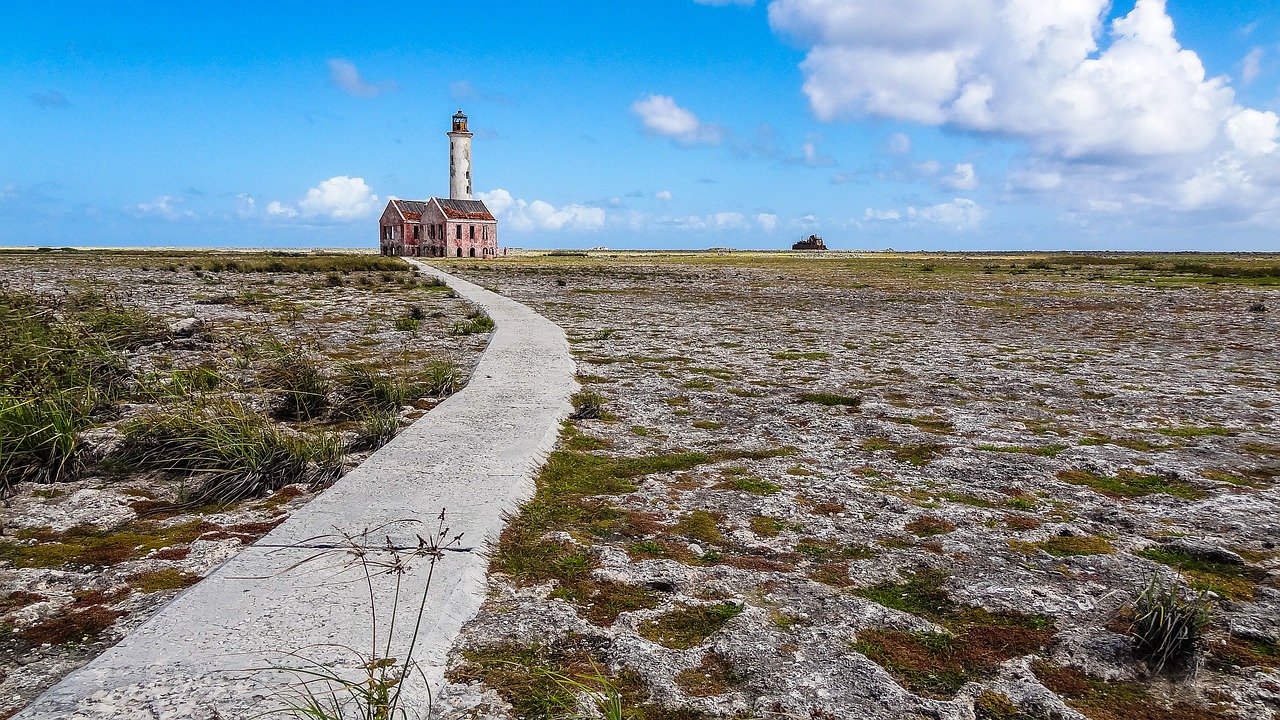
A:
x: 1130, y: 484
x: 800, y: 355
x: 689, y: 627
x: 1237, y: 582
x: 831, y: 399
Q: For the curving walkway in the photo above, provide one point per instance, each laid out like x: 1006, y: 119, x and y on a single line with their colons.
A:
x: 474, y: 456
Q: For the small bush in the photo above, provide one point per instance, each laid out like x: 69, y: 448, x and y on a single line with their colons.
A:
x: 587, y: 404
x: 1166, y: 629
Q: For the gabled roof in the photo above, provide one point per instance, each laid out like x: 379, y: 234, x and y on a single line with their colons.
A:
x: 410, y: 209
x: 463, y: 209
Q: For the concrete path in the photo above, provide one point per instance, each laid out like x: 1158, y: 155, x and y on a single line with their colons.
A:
x: 473, y: 456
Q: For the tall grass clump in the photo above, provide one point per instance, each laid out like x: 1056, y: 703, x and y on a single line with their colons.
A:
x: 476, y: 322
x: 232, y: 452
x: 377, y: 428
x: 300, y: 387
x: 1166, y: 628
x: 365, y: 389
x: 60, y: 361
x: 438, y: 378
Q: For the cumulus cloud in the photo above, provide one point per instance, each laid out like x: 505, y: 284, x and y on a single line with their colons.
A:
x: 663, y: 195
x: 52, y: 99
x: 962, y: 177
x: 662, y: 116
x: 522, y: 215
x: 164, y: 206
x: 959, y: 214
x: 1012, y: 66
x: 276, y: 209
x: 768, y: 222
x: 1113, y: 111
x: 344, y: 76
x: 339, y: 198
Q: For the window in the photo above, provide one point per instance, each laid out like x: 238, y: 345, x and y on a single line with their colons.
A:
x: 431, y: 232
x: 417, y: 232
x: 472, y: 235
x: 458, y: 232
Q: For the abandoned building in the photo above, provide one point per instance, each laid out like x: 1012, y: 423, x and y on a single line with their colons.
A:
x: 457, y: 226
x: 813, y: 242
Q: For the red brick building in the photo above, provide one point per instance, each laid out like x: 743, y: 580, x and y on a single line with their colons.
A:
x: 438, y: 227
x: 457, y: 226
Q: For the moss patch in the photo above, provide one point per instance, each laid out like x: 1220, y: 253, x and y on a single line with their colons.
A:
x: 928, y: 526
x: 1234, y: 581
x: 159, y: 580
x: 1130, y: 484
x: 1068, y: 545
x: 75, y: 625
x: 1101, y: 700
x: 94, y: 546
x: 714, y: 676
x: 939, y: 664
x: 689, y: 627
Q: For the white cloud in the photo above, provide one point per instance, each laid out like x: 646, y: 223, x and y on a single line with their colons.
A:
x: 959, y: 214
x: 1253, y: 133
x: 276, y: 209
x: 1025, y: 67
x: 662, y: 116
x: 165, y: 206
x: 962, y: 178
x: 767, y: 221
x: 881, y: 215
x: 338, y: 198
x: 1251, y: 66
x: 813, y: 157
x: 344, y: 76
x: 1113, y: 111
x: 525, y: 216
x: 663, y: 195
x: 899, y: 144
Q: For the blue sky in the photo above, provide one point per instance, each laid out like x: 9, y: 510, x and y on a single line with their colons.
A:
x: 921, y: 124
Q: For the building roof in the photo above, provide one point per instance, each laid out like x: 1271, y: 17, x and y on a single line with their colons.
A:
x: 411, y: 209
x: 464, y: 209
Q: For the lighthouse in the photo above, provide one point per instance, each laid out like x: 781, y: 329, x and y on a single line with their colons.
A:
x: 459, y: 159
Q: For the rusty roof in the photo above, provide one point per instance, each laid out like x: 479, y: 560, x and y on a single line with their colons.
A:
x: 464, y: 209
x: 411, y: 209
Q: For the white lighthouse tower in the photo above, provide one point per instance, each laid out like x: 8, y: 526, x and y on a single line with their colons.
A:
x: 459, y: 159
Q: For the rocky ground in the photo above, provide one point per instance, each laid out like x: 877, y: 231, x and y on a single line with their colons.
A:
x: 92, y: 546
x: 893, y: 487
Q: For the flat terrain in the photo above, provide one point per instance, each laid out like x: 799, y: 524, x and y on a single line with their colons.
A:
x: 893, y: 487
x: 158, y: 411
